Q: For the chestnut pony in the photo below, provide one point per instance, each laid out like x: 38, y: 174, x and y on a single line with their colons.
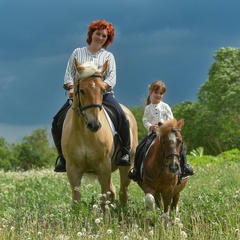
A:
x: 161, y: 168
x: 88, y: 138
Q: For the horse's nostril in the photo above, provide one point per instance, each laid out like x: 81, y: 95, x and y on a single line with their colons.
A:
x: 93, y: 127
x: 173, y: 168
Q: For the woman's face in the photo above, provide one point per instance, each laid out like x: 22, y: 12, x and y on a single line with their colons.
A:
x: 99, y: 37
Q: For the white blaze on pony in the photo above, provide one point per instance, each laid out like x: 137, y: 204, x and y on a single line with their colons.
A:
x: 87, y: 139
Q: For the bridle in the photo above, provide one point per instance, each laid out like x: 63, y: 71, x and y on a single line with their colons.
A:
x: 79, y: 110
x: 165, y: 158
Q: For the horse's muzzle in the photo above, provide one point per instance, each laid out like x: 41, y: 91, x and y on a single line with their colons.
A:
x: 174, y: 168
x: 94, y: 127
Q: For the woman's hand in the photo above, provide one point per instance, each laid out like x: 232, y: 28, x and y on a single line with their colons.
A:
x: 70, y: 93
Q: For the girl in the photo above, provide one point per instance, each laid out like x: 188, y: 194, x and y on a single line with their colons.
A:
x: 157, y: 111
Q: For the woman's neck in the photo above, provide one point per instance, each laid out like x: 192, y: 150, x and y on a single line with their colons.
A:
x: 93, y: 49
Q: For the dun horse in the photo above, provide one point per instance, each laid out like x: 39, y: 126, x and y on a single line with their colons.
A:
x: 88, y: 138
x: 161, y: 168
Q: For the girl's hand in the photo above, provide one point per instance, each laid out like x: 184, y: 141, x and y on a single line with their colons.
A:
x: 153, y: 128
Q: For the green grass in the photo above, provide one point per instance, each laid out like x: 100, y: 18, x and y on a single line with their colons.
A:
x: 36, y: 205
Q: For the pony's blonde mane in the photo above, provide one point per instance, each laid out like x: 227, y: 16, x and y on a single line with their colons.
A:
x: 87, y: 69
x: 167, y: 126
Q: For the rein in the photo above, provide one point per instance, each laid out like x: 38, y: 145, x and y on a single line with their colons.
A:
x: 81, y: 108
x: 165, y: 163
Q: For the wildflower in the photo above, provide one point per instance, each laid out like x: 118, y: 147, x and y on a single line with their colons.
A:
x: 180, y: 225
x: 77, y: 189
x: 104, y: 195
x: 80, y: 234
x: 151, y: 233
x: 39, y: 233
x: 109, y: 193
x: 97, y: 220
x: 183, y: 234
x: 109, y: 231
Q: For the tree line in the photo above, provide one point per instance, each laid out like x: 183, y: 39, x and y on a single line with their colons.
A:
x: 212, y: 122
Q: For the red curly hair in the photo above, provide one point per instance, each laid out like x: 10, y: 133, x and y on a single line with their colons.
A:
x: 99, y: 25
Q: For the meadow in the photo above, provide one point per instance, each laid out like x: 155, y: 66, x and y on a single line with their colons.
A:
x: 36, y: 205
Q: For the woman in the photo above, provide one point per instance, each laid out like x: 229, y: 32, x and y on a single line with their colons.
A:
x: 157, y: 111
x: 100, y: 36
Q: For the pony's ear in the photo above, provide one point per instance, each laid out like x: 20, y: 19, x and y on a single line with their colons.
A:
x: 103, y: 68
x: 180, y: 123
x: 160, y: 124
x: 78, y: 66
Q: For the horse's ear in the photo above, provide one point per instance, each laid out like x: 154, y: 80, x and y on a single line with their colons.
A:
x: 180, y: 123
x: 78, y: 66
x: 160, y: 124
x: 103, y: 68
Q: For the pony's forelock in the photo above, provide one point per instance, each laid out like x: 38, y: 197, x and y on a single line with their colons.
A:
x: 167, y: 126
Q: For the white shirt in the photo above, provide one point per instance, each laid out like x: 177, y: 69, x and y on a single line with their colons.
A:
x: 84, y: 55
x: 155, y: 113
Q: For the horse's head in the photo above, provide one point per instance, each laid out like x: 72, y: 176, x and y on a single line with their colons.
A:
x: 171, y: 143
x: 88, y: 86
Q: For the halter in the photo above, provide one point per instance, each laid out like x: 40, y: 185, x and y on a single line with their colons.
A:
x: 165, y: 158
x: 81, y: 108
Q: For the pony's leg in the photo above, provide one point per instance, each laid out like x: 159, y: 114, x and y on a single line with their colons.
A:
x: 74, y: 178
x: 150, y: 201
x: 167, y: 200
x: 175, y: 200
x: 124, y: 184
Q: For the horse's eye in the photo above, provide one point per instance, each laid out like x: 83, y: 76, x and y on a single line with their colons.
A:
x: 81, y: 91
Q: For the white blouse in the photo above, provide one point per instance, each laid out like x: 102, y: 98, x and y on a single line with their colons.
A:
x: 84, y: 55
x: 155, y: 113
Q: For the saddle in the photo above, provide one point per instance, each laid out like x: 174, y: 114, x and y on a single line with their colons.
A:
x: 114, y: 115
x: 141, y: 151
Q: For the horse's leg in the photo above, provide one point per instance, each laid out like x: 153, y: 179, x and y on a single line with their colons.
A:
x: 107, y: 188
x: 74, y: 178
x: 124, y: 184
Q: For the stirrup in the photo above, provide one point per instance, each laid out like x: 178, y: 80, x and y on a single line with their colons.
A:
x: 133, y: 175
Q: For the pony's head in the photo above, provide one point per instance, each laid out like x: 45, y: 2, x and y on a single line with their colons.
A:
x: 88, y: 86
x: 171, y: 143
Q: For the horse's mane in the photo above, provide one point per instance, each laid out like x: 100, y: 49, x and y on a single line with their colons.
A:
x: 167, y: 126
x: 87, y: 69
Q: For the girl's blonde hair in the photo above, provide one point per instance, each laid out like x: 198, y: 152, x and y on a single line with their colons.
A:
x: 155, y: 86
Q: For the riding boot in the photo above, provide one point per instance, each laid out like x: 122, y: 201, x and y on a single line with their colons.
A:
x: 187, y: 170
x: 60, y: 165
x: 125, y: 137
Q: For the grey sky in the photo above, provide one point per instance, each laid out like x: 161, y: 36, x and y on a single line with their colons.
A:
x: 173, y: 41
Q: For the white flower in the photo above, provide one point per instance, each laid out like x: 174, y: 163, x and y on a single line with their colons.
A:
x: 183, y: 234
x: 97, y: 220
x: 151, y: 233
x: 109, y: 231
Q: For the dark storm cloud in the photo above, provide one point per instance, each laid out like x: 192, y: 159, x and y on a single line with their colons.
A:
x: 169, y: 40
